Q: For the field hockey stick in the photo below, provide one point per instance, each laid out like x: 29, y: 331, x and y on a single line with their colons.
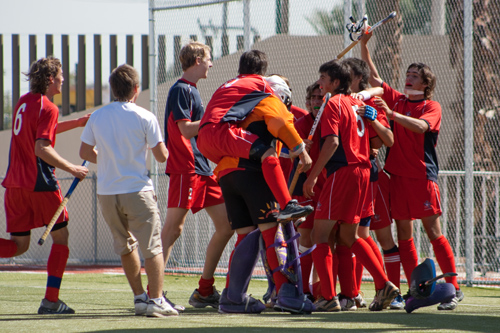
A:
x: 309, y: 137
x: 431, y: 281
x: 376, y: 25
x: 60, y: 208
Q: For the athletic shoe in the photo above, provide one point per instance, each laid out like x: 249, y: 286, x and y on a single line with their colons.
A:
x: 198, y: 301
x: 59, y: 307
x: 178, y: 307
x: 324, y: 305
x: 397, y: 303
x: 360, y: 301
x: 293, y: 211
x: 248, y: 305
x: 346, y: 303
x: 452, y: 305
x: 384, y: 296
x: 141, y: 306
x: 160, y: 310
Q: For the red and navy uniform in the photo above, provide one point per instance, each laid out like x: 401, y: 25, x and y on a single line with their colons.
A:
x: 36, y: 118
x: 338, y: 119
x: 32, y: 190
x: 413, y: 155
x: 183, y: 103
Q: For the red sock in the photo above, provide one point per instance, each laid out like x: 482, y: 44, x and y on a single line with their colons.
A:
x: 408, y: 255
x: 306, y: 266
x: 279, y: 278
x: 7, y: 248
x: 335, y: 270
x: 206, y: 287
x: 346, y: 270
x: 375, y: 249
x: 445, y: 258
x: 393, y: 265
x: 56, y: 265
x: 322, y: 258
x: 276, y: 180
x: 367, y: 258
x: 359, y: 275
x: 239, y: 238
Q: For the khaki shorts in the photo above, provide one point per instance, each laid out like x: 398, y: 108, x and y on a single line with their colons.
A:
x: 134, y: 220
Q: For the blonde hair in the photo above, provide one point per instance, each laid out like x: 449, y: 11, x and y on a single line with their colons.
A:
x: 191, y: 51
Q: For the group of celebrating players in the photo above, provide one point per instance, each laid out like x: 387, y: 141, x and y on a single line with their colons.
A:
x: 307, y: 236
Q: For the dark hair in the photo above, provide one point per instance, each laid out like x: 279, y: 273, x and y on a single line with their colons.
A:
x: 337, y: 70
x: 253, y: 62
x: 190, y: 52
x: 427, y: 76
x: 123, y: 80
x: 40, y: 73
x: 311, y: 88
x: 359, y: 68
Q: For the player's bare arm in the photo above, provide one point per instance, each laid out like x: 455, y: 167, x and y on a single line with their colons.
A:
x: 67, y: 125
x: 44, y: 150
x: 87, y: 152
x: 305, y: 162
x: 189, y: 129
x: 329, y: 147
x: 413, y: 124
x: 160, y: 152
x: 375, y: 80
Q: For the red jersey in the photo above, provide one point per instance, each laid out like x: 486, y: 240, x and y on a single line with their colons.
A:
x: 413, y: 154
x: 183, y: 103
x: 235, y: 99
x: 297, y: 112
x: 303, y: 126
x: 340, y: 119
x: 35, y: 118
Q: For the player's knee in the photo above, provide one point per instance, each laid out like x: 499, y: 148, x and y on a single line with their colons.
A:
x: 259, y: 151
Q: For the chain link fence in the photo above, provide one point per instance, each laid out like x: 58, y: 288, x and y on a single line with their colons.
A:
x: 298, y: 36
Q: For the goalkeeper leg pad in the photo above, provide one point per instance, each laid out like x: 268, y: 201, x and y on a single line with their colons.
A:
x: 443, y: 293
x: 244, y: 260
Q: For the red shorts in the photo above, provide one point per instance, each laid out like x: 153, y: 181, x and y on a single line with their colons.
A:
x: 224, y: 139
x: 343, y: 195
x: 413, y: 198
x: 26, y: 210
x: 367, y: 210
x: 192, y: 191
x: 382, y: 217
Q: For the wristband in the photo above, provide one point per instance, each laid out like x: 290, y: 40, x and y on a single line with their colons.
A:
x: 297, y: 150
x: 366, y: 95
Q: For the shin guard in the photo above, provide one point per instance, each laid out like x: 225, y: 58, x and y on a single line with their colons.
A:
x: 443, y: 293
x: 244, y: 260
x: 291, y: 295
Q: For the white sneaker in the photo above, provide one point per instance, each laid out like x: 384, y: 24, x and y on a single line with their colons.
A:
x: 160, y: 310
x: 141, y: 306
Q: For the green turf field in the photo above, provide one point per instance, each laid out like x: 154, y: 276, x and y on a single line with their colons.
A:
x: 103, y: 302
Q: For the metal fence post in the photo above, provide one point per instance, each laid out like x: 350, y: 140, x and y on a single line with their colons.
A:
x: 469, y: 143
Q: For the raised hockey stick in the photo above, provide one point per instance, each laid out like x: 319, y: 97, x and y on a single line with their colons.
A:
x: 309, y: 137
x: 376, y: 25
x: 60, y: 208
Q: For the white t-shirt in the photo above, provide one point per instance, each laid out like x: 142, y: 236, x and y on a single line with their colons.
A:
x: 121, y: 133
